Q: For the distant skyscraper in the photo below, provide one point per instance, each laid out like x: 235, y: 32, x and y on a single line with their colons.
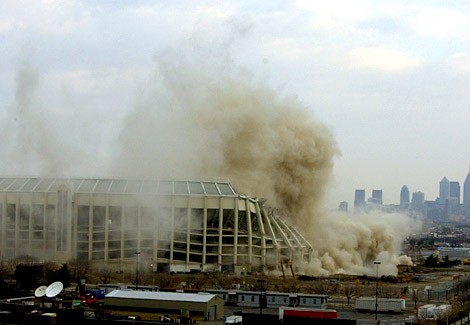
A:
x: 343, y: 206
x: 466, y: 191
x: 454, y: 191
x: 404, y: 197
x: 444, y: 190
x: 417, y: 201
x: 376, y: 197
x: 359, y: 199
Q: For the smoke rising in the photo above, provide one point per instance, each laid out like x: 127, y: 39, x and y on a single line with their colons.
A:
x: 200, y: 118
x: 32, y: 143
x: 199, y: 121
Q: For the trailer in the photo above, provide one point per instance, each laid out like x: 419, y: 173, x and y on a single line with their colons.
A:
x: 297, y: 312
x: 384, y: 305
x: 426, y: 311
x: 442, y: 311
x: 234, y: 319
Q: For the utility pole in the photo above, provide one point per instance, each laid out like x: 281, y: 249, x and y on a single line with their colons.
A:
x: 376, y: 290
x: 137, y: 271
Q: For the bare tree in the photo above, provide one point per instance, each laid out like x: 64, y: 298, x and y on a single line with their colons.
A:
x: 322, y: 287
x: 5, y: 270
x: 105, y: 274
x: 349, y: 292
x: 78, y: 269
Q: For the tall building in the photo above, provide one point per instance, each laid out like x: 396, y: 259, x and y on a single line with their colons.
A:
x: 343, y: 206
x: 176, y: 226
x: 417, y: 201
x: 404, y: 197
x: 466, y: 191
x: 359, y: 199
x: 377, y: 197
x: 454, y: 191
x: 444, y: 190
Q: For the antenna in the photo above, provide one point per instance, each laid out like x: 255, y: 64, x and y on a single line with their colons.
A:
x: 54, y: 289
x: 40, y: 291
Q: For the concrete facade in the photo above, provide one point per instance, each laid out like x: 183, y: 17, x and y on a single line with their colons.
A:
x: 175, y: 226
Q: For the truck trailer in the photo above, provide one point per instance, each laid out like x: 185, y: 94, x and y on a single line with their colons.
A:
x: 297, y: 312
x: 384, y: 305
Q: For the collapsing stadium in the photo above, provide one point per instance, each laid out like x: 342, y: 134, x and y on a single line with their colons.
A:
x: 176, y: 226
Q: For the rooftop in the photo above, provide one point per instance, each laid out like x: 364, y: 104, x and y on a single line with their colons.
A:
x: 117, y: 186
x: 160, y: 295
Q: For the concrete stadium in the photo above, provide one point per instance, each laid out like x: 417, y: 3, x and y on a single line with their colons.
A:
x: 171, y: 226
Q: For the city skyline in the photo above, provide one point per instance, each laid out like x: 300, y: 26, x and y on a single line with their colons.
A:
x: 369, y: 193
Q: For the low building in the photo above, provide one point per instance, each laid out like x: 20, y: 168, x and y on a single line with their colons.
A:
x: 195, y: 305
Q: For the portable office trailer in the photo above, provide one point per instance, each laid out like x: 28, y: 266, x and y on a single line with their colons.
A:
x: 249, y: 298
x: 312, y: 301
x: 277, y: 299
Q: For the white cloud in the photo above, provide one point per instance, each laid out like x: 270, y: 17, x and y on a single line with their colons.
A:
x: 293, y: 49
x: 440, y: 22
x: 335, y: 14
x: 383, y: 58
x: 49, y: 17
x: 8, y: 24
x: 460, y: 62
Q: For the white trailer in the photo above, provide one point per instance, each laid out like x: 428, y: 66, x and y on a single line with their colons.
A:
x: 442, y: 311
x: 426, y: 311
x: 384, y: 305
x: 234, y: 319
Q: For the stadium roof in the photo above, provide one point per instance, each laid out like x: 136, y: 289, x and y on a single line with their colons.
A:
x: 118, y: 186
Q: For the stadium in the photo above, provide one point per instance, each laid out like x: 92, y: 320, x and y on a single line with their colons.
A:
x: 172, y: 226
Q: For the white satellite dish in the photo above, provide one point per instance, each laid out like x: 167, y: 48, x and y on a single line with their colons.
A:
x: 54, y: 289
x: 40, y: 291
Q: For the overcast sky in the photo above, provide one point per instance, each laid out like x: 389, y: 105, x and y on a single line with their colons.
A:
x: 391, y: 79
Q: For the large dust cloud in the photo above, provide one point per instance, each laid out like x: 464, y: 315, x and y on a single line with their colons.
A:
x: 203, y: 118
x: 198, y: 120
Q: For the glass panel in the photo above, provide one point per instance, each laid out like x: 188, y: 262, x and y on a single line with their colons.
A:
x: 7, y: 182
x: 44, y: 185
x: 103, y: 185
x: 196, y: 188
x: 133, y: 186
x: 87, y: 185
x: 118, y: 186
x: 211, y: 189
x: 181, y: 188
x: 17, y: 184
x: 149, y: 186
x: 165, y: 187
x: 38, y: 217
x: 30, y: 184
x: 225, y: 189
x: 99, y: 217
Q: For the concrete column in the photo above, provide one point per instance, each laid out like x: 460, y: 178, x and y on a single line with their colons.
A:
x: 250, y: 232
x: 204, y: 233
x: 221, y: 227
x: 235, y: 232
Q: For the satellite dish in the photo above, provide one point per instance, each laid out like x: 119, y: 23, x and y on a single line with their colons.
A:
x: 54, y: 289
x: 40, y: 291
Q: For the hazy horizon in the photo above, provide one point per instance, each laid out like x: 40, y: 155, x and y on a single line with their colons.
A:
x: 389, y: 79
